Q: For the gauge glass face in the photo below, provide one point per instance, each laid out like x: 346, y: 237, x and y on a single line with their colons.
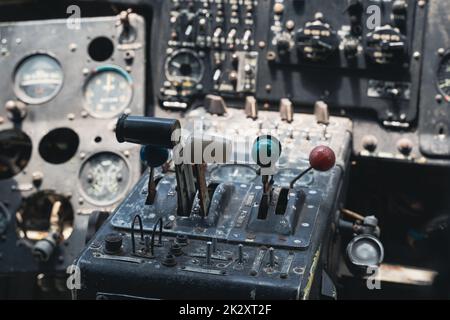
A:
x: 15, y: 152
x: 38, y: 79
x: 233, y: 173
x: 108, y: 93
x: 444, y: 77
x: 284, y: 178
x: 104, y: 178
x: 184, y: 66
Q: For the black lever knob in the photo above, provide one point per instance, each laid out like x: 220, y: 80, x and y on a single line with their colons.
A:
x: 156, y: 132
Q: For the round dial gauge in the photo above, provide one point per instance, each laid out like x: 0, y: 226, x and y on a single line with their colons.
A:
x: 444, y: 77
x: 284, y: 178
x: 104, y: 178
x: 108, y: 92
x: 38, y: 79
x: 184, y: 66
x: 234, y: 173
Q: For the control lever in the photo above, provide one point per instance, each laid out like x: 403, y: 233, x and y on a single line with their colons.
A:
x: 159, y: 134
x: 266, y: 152
x: 321, y: 159
x: 153, y: 157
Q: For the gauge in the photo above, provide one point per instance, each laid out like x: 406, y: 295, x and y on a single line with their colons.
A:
x: 108, y: 92
x: 104, y: 178
x: 15, y: 152
x: 38, y: 79
x: 234, y: 173
x: 184, y: 66
x: 284, y: 177
x: 444, y: 77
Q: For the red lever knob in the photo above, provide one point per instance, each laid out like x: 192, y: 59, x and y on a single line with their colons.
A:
x: 322, y: 158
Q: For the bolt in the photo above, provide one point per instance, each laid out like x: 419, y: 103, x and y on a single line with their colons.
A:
x: 405, y: 146
x: 370, y: 143
x: 271, y: 56
x: 73, y: 47
x: 290, y: 25
x: 37, y: 177
x: 416, y: 55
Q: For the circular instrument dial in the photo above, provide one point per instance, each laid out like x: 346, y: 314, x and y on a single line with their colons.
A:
x: 108, y: 92
x: 184, y: 66
x: 104, y: 178
x: 38, y: 79
x: 443, y: 80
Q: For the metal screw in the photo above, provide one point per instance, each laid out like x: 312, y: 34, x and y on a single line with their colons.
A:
x: 73, y: 47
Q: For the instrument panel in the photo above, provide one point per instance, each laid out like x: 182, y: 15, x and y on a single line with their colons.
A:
x: 363, y: 58
x: 61, y: 97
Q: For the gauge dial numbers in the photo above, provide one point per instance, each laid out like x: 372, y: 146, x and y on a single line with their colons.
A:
x: 104, y: 178
x: 443, y: 77
x: 108, y: 92
x: 38, y: 79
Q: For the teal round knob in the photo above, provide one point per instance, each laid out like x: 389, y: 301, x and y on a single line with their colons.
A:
x: 266, y: 151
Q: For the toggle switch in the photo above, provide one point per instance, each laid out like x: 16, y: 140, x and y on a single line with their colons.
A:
x: 286, y: 110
